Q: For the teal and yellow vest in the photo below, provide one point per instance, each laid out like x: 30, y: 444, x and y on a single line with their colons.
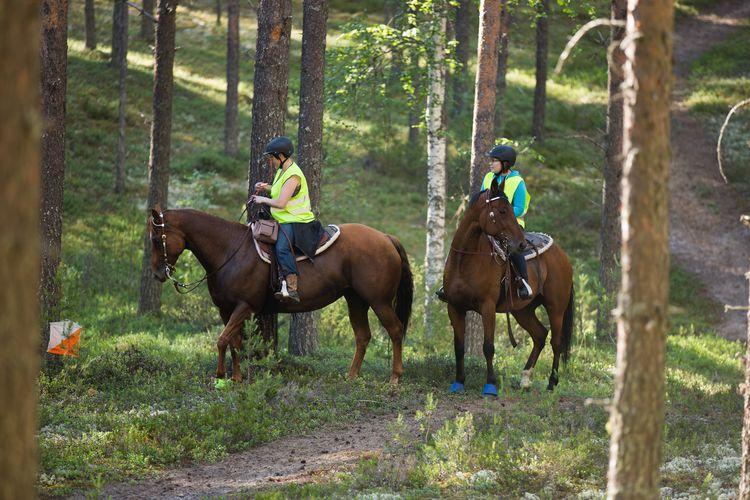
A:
x: 511, y: 184
x: 298, y: 207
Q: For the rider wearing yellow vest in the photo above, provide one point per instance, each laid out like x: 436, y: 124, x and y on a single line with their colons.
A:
x: 290, y: 207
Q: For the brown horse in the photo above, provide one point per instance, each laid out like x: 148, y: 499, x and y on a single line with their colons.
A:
x: 472, y: 282
x: 367, y: 267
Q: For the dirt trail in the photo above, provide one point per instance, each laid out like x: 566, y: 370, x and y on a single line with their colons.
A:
x: 296, y: 459
x: 705, y: 235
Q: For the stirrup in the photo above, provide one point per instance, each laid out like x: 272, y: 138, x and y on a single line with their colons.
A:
x: 523, y: 286
x: 440, y: 293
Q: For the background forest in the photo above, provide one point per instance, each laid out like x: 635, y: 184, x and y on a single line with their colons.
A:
x: 141, y: 397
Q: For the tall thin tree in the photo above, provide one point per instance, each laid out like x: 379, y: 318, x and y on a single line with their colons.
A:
x: 745, y: 390
x: 270, y: 85
x: 637, y: 414
x: 90, y: 15
x: 117, y: 19
x: 464, y: 11
x: 231, y: 131
x: 609, y: 236
x: 482, y: 136
x: 303, y: 332
x: 122, y: 66
x: 19, y: 251
x: 147, y: 23
x: 218, y: 12
x: 436, y: 155
x: 502, y: 68
x: 542, y: 50
x: 54, y: 78
x: 161, y: 141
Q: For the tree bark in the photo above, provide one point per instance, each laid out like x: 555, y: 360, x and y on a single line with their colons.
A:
x: 502, y: 68
x: 609, y: 236
x: 436, y: 154
x: 218, y: 12
x: 122, y: 65
x: 540, y: 91
x: 745, y: 472
x: 270, y: 85
x: 161, y: 136
x: 117, y: 19
x: 303, y: 332
x: 147, y: 24
x: 464, y: 12
x: 231, y: 131
x: 637, y: 414
x: 20, y: 129
x: 90, y: 15
x: 54, y: 77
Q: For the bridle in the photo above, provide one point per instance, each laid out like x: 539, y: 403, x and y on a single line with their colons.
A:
x: 169, y: 268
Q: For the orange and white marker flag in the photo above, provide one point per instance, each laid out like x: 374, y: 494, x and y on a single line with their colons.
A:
x: 64, y: 337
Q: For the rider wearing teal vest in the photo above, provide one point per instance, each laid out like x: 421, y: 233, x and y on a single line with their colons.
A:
x: 290, y: 207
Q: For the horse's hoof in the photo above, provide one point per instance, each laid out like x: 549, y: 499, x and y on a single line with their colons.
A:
x: 526, y: 379
x: 489, y: 390
x: 456, y: 387
x: 550, y: 387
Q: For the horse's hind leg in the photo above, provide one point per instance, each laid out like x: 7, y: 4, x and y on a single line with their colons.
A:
x: 361, y: 325
x: 235, y: 347
x: 458, y: 322
x: 556, y: 324
x: 527, y: 319
x: 395, y: 329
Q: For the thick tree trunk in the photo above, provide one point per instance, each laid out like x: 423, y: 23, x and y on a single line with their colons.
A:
x: 637, y: 414
x: 434, y: 260
x: 745, y: 472
x: 90, y: 15
x: 54, y: 78
x: 122, y: 65
x: 609, y: 245
x: 147, y: 24
x: 117, y: 19
x: 540, y: 91
x: 482, y: 137
x: 161, y: 137
x: 19, y: 251
x: 231, y: 131
x: 502, y: 68
x: 270, y: 86
x: 303, y: 332
x: 464, y: 12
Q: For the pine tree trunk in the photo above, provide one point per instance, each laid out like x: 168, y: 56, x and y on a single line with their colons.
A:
x: 540, y: 91
x: 231, y: 131
x: 436, y: 154
x: 745, y: 472
x: 147, y: 24
x: 161, y: 136
x: 90, y: 14
x: 637, y: 414
x: 19, y: 251
x: 502, y: 68
x: 117, y: 19
x: 54, y: 77
x: 218, y: 12
x: 464, y: 12
x: 609, y: 243
x: 122, y: 64
x: 303, y: 332
x: 270, y: 85
x: 482, y: 137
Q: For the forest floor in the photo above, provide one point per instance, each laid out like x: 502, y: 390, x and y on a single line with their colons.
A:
x: 705, y: 234
x: 700, y: 204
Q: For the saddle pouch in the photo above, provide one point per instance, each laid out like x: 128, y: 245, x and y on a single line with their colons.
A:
x: 266, y: 231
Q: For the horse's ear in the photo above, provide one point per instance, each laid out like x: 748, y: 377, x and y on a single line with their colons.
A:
x: 494, y: 189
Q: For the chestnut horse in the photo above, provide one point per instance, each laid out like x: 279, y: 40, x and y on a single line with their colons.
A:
x: 472, y: 282
x: 368, y: 268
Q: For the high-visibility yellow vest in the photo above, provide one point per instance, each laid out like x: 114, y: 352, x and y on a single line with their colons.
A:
x: 511, y: 184
x: 298, y: 207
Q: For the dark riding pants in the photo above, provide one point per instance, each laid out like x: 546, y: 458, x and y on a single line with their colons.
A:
x: 519, y: 262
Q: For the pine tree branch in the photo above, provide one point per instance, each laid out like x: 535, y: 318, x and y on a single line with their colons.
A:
x: 579, y: 34
x: 141, y: 10
x: 721, y: 135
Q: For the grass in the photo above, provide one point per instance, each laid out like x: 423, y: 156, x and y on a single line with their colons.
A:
x: 140, y: 398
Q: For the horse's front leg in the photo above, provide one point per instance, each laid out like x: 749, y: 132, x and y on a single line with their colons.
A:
x: 232, y: 328
x: 488, y: 347
x: 458, y: 322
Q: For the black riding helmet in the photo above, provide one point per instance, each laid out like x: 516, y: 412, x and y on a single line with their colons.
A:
x: 279, y: 146
x: 504, y: 153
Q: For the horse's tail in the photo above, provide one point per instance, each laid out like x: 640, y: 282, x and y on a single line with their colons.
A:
x: 567, y: 327
x: 405, y: 292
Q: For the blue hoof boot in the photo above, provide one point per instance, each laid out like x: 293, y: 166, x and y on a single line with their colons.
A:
x: 489, y: 390
x: 457, y: 387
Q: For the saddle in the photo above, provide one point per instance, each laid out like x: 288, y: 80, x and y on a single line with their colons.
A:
x: 536, y: 244
x: 330, y: 234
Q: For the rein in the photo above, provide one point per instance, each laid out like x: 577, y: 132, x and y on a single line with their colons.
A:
x: 169, y: 268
